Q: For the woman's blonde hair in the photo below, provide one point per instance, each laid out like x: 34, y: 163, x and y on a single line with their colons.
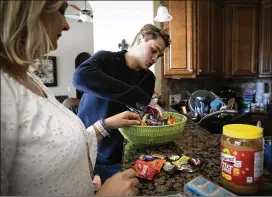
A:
x: 23, y: 35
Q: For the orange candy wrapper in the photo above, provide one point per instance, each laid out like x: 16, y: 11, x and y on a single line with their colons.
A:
x: 157, y: 163
x: 171, y: 120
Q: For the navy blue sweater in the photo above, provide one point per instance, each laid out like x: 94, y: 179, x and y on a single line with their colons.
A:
x: 108, y: 85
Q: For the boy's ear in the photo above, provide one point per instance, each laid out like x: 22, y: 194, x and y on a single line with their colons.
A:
x: 139, y: 40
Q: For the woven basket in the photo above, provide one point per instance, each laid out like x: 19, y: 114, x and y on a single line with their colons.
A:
x: 147, y: 135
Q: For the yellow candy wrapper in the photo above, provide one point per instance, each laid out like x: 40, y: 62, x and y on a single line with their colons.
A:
x: 183, y: 160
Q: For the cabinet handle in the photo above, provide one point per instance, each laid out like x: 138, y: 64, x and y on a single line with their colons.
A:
x: 191, y: 70
x: 200, y: 71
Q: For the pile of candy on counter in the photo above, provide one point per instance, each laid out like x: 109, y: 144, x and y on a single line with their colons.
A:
x: 148, y: 166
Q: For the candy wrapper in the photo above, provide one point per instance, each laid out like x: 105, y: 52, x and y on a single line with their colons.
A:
x: 185, y: 168
x: 157, y: 163
x: 174, y: 157
x: 171, y: 120
x: 144, y: 117
x: 159, y: 156
x: 169, y: 168
x: 182, y: 160
x: 154, y: 106
x: 195, y: 161
x: 152, y: 115
x: 145, y: 170
x: 146, y: 157
x: 151, y: 157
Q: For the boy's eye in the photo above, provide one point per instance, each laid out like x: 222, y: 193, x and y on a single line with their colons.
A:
x: 154, y: 51
x: 62, y: 11
x: 63, y: 8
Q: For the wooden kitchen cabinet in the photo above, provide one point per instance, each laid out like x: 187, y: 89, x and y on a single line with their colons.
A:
x: 265, y: 56
x: 217, y: 34
x: 219, y: 38
x: 209, y: 38
x: 241, y: 21
x: 196, y: 32
x: 203, y: 39
x: 179, y: 60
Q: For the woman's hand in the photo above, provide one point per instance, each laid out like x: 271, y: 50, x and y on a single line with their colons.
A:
x: 122, y: 120
x: 96, y: 182
x: 121, y: 184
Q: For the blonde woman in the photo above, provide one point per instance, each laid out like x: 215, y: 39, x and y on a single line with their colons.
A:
x: 45, y: 148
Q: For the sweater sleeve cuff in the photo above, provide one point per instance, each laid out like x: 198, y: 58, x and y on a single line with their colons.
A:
x: 92, y: 144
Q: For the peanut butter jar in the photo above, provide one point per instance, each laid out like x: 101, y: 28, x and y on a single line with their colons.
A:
x: 242, y: 158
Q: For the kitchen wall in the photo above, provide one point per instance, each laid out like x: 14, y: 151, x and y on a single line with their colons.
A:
x: 177, y: 86
x: 73, y: 42
x: 117, y: 20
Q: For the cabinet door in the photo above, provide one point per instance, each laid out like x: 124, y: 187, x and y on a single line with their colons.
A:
x: 217, y: 14
x: 203, y: 49
x: 241, y: 39
x: 265, y: 58
x: 179, y: 60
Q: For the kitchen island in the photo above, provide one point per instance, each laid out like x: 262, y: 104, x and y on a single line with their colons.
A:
x: 195, y: 141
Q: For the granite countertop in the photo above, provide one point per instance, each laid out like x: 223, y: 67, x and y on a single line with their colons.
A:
x: 195, y: 141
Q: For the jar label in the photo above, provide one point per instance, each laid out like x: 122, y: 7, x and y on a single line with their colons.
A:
x: 241, y: 168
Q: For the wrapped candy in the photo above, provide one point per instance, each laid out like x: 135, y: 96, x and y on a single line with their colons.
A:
x: 185, y: 168
x: 159, y: 156
x: 157, y: 163
x: 169, y: 168
x: 182, y: 160
x: 143, y: 124
x: 147, y: 157
x: 148, y: 169
x: 174, y: 157
x: 151, y: 157
x: 154, y: 106
x: 144, y: 170
x: 171, y: 120
x: 195, y: 161
x: 145, y: 117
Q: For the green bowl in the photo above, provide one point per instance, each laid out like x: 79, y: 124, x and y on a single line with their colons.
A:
x: 149, y: 135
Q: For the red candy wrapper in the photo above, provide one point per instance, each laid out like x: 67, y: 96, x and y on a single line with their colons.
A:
x: 145, y: 170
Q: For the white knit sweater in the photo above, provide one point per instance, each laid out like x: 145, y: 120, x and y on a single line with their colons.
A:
x: 43, y: 144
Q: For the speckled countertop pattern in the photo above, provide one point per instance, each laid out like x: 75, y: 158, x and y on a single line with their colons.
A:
x: 195, y: 141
